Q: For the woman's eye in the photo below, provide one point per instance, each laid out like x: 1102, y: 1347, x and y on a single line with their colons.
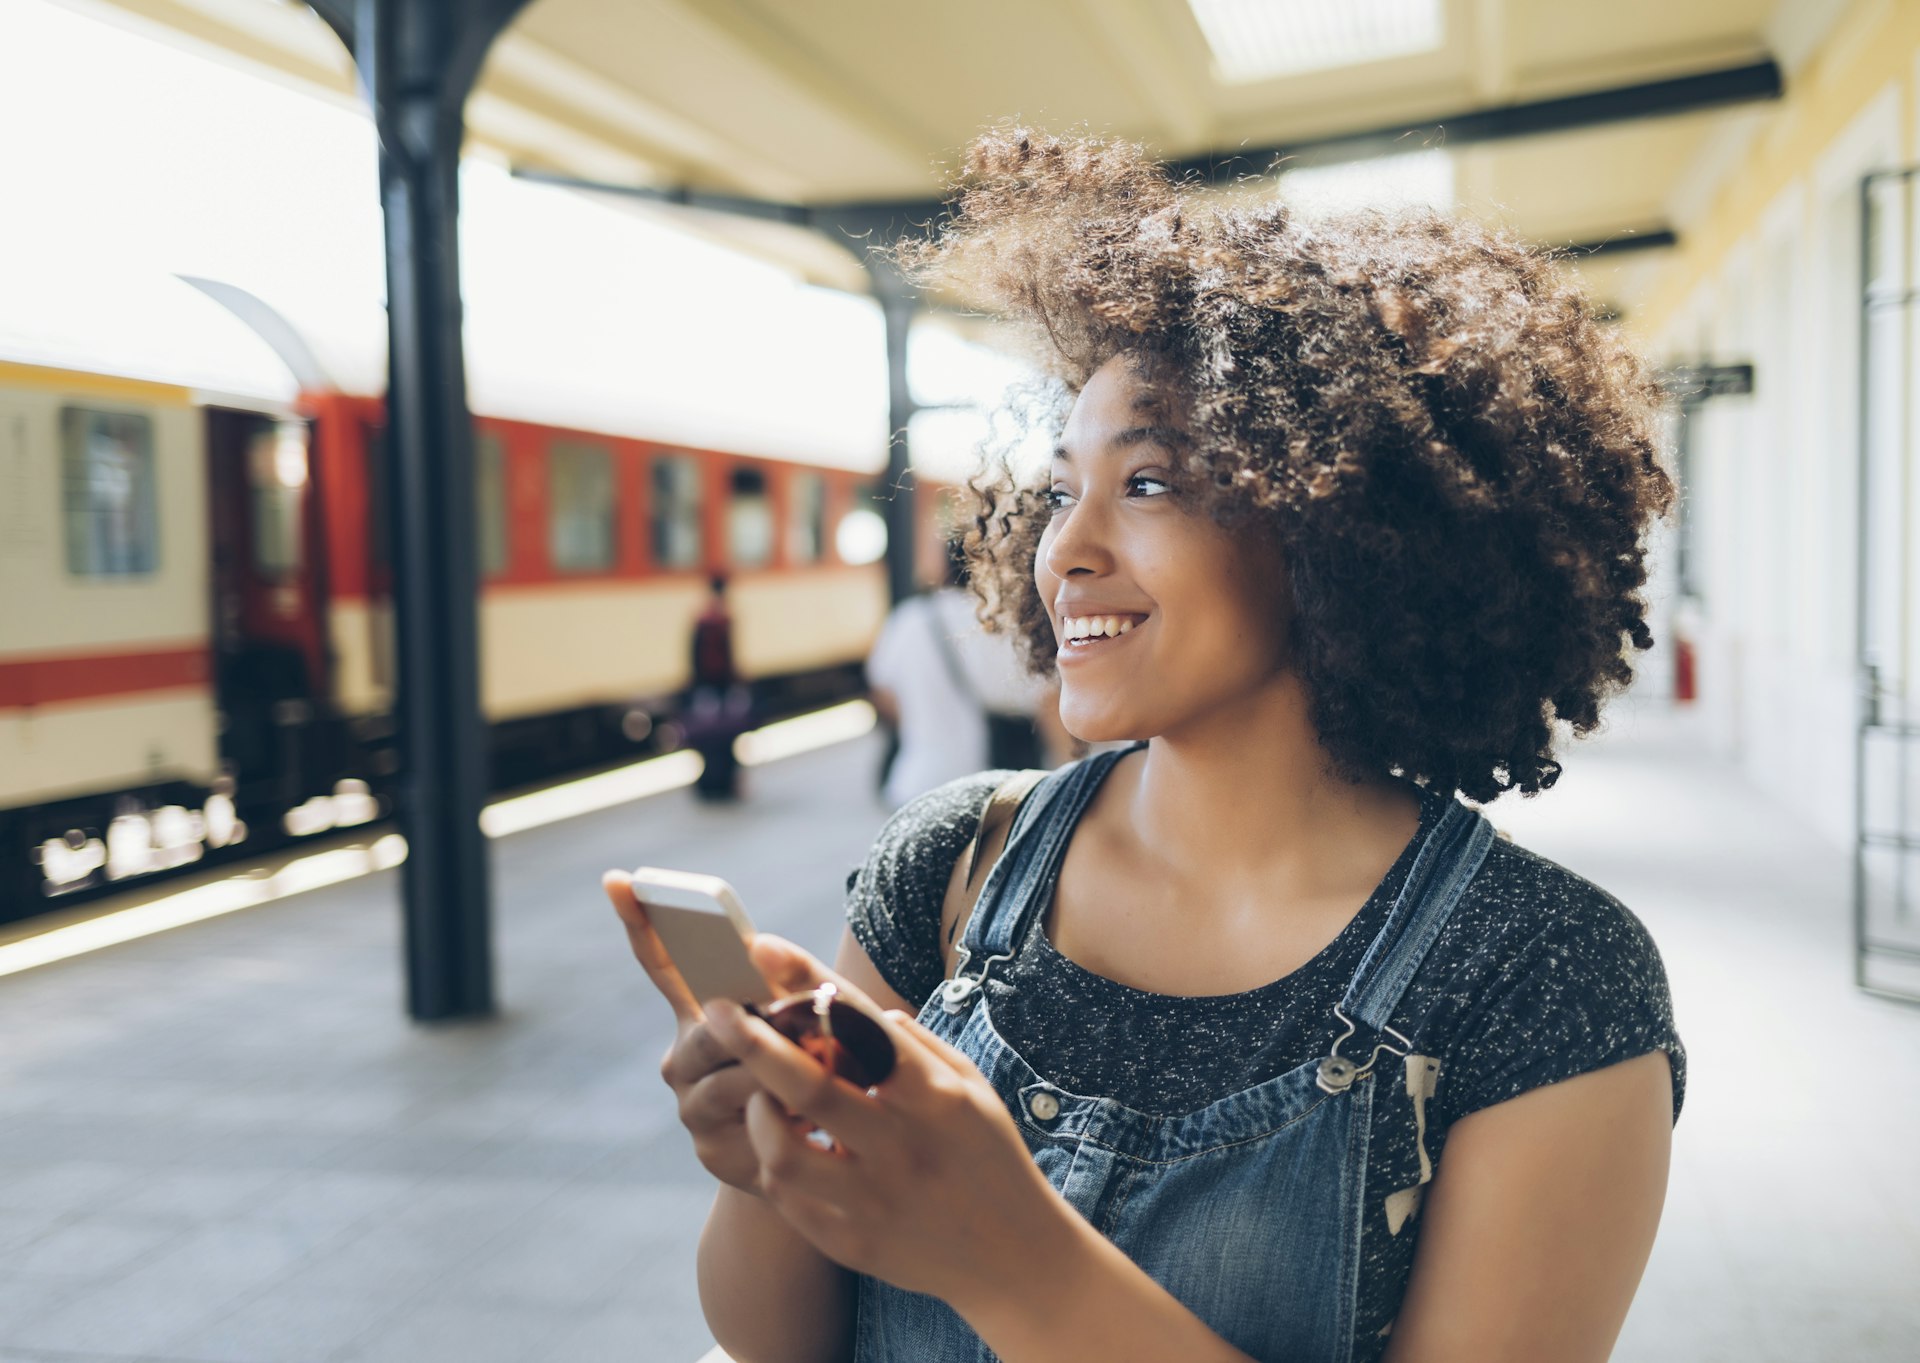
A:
x: 1057, y: 498
x: 1146, y: 485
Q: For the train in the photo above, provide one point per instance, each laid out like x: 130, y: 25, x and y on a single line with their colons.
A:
x: 195, y: 631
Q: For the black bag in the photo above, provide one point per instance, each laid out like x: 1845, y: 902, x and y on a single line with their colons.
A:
x: 1013, y: 744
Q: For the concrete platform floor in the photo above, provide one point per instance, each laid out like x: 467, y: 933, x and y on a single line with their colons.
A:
x: 225, y: 1145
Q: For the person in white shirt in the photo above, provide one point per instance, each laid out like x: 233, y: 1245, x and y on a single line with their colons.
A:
x: 943, y: 683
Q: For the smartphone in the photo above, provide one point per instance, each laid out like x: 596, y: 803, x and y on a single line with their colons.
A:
x: 706, y: 931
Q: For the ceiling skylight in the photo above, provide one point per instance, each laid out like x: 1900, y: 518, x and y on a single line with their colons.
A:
x: 1259, y: 39
x: 1420, y: 179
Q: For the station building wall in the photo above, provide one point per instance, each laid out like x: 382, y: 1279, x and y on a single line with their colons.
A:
x: 1771, y: 273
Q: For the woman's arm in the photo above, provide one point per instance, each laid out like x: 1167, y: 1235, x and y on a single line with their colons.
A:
x: 768, y: 1295
x: 1539, y: 1222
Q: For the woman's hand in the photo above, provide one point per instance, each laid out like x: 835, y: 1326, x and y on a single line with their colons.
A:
x: 930, y: 1187
x: 711, y: 1086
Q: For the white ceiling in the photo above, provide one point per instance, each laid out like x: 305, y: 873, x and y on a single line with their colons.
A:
x: 824, y: 101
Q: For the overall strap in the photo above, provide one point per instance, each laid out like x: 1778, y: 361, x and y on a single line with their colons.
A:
x: 1448, y: 860
x: 1036, y: 845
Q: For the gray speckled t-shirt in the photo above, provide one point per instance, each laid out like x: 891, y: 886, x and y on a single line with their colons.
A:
x: 1538, y: 975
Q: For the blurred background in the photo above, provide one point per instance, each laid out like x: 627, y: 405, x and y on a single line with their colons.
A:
x: 449, y: 448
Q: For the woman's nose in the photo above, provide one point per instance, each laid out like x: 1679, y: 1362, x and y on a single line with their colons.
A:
x: 1080, y: 542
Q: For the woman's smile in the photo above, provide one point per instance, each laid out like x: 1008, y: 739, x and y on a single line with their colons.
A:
x: 1084, y: 632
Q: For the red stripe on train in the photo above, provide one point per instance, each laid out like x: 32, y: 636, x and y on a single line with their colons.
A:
x: 51, y: 680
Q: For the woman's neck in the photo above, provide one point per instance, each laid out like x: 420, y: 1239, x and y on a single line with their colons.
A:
x: 1245, y: 799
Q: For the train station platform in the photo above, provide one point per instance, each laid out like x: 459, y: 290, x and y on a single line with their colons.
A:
x: 224, y: 1144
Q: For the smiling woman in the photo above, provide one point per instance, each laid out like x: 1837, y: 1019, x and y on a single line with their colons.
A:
x: 1454, y: 452
x: 1256, y: 1041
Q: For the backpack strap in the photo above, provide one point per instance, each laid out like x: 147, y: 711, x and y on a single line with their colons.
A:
x: 979, y: 855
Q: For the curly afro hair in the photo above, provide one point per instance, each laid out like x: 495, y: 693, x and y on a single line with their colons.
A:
x: 1455, y: 453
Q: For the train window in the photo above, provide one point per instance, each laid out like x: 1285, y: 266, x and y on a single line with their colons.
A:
x: 749, y: 520
x: 490, y: 501
x: 276, y: 478
x: 676, y: 512
x: 580, y: 507
x: 806, y: 518
x: 861, y: 535
x: 108, y: 494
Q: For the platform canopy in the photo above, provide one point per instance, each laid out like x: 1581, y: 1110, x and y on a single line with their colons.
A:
x: 1590, y: 124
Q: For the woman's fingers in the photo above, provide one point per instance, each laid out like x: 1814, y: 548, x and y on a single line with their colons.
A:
x: 792, y: 970
x: 787, y: 967
x: 695, y: 1054
x: 792, y: 1168
x: 648, y: 949
x: 718, y: 1099
x: 803, y: 1085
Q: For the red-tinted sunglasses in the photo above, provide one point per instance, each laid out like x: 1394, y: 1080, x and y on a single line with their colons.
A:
x: 834, y: 1032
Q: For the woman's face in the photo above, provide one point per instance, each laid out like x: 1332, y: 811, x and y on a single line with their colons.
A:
x: 1163, y: 617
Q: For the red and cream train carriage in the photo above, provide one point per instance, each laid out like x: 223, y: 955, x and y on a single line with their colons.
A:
x: 193, y: 622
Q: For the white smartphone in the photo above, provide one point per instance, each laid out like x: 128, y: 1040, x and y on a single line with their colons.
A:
x: 706, y: 931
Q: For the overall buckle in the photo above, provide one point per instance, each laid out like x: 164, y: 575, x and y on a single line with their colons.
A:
x: 1338, y: 1073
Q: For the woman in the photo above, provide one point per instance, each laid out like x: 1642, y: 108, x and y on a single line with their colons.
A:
x: 1258, y: 1043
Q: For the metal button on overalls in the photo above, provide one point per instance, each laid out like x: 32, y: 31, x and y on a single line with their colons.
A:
x: 1044, y: 1106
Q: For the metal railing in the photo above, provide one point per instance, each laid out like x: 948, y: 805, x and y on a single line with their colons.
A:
x: 1886, y: 928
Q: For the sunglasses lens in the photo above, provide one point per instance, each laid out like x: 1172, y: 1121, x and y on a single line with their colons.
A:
x: 846, y: 1040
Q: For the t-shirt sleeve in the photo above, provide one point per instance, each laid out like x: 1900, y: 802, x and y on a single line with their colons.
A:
x: 1585, y: 988
x: 893, y: 901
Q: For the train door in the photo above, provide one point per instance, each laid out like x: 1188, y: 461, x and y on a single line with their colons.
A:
x: 269, y: 606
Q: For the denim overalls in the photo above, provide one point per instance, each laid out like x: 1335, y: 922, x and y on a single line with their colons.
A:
x: 1247, y: 1210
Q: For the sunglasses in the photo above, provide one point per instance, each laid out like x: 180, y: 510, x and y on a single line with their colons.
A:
x: 832, y: 1031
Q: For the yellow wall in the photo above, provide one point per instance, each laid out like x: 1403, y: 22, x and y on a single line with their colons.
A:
x: 1876, y: 44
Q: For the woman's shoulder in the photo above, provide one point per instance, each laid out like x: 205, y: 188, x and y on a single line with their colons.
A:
x: 1542, y: 975
x: 910, y: 843
x: 1521, y: 898
x: 894, y: 898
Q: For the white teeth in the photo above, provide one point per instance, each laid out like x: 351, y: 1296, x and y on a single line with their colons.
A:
x: 1097, y: 626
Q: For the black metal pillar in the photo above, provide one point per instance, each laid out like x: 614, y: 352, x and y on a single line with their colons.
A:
x: 899, y: 305
x: 418, y: 60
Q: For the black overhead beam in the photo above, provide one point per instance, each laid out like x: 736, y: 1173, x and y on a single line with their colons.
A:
x: 1654, y: 239
x: 1755, y: 82
x: 417, y: 61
